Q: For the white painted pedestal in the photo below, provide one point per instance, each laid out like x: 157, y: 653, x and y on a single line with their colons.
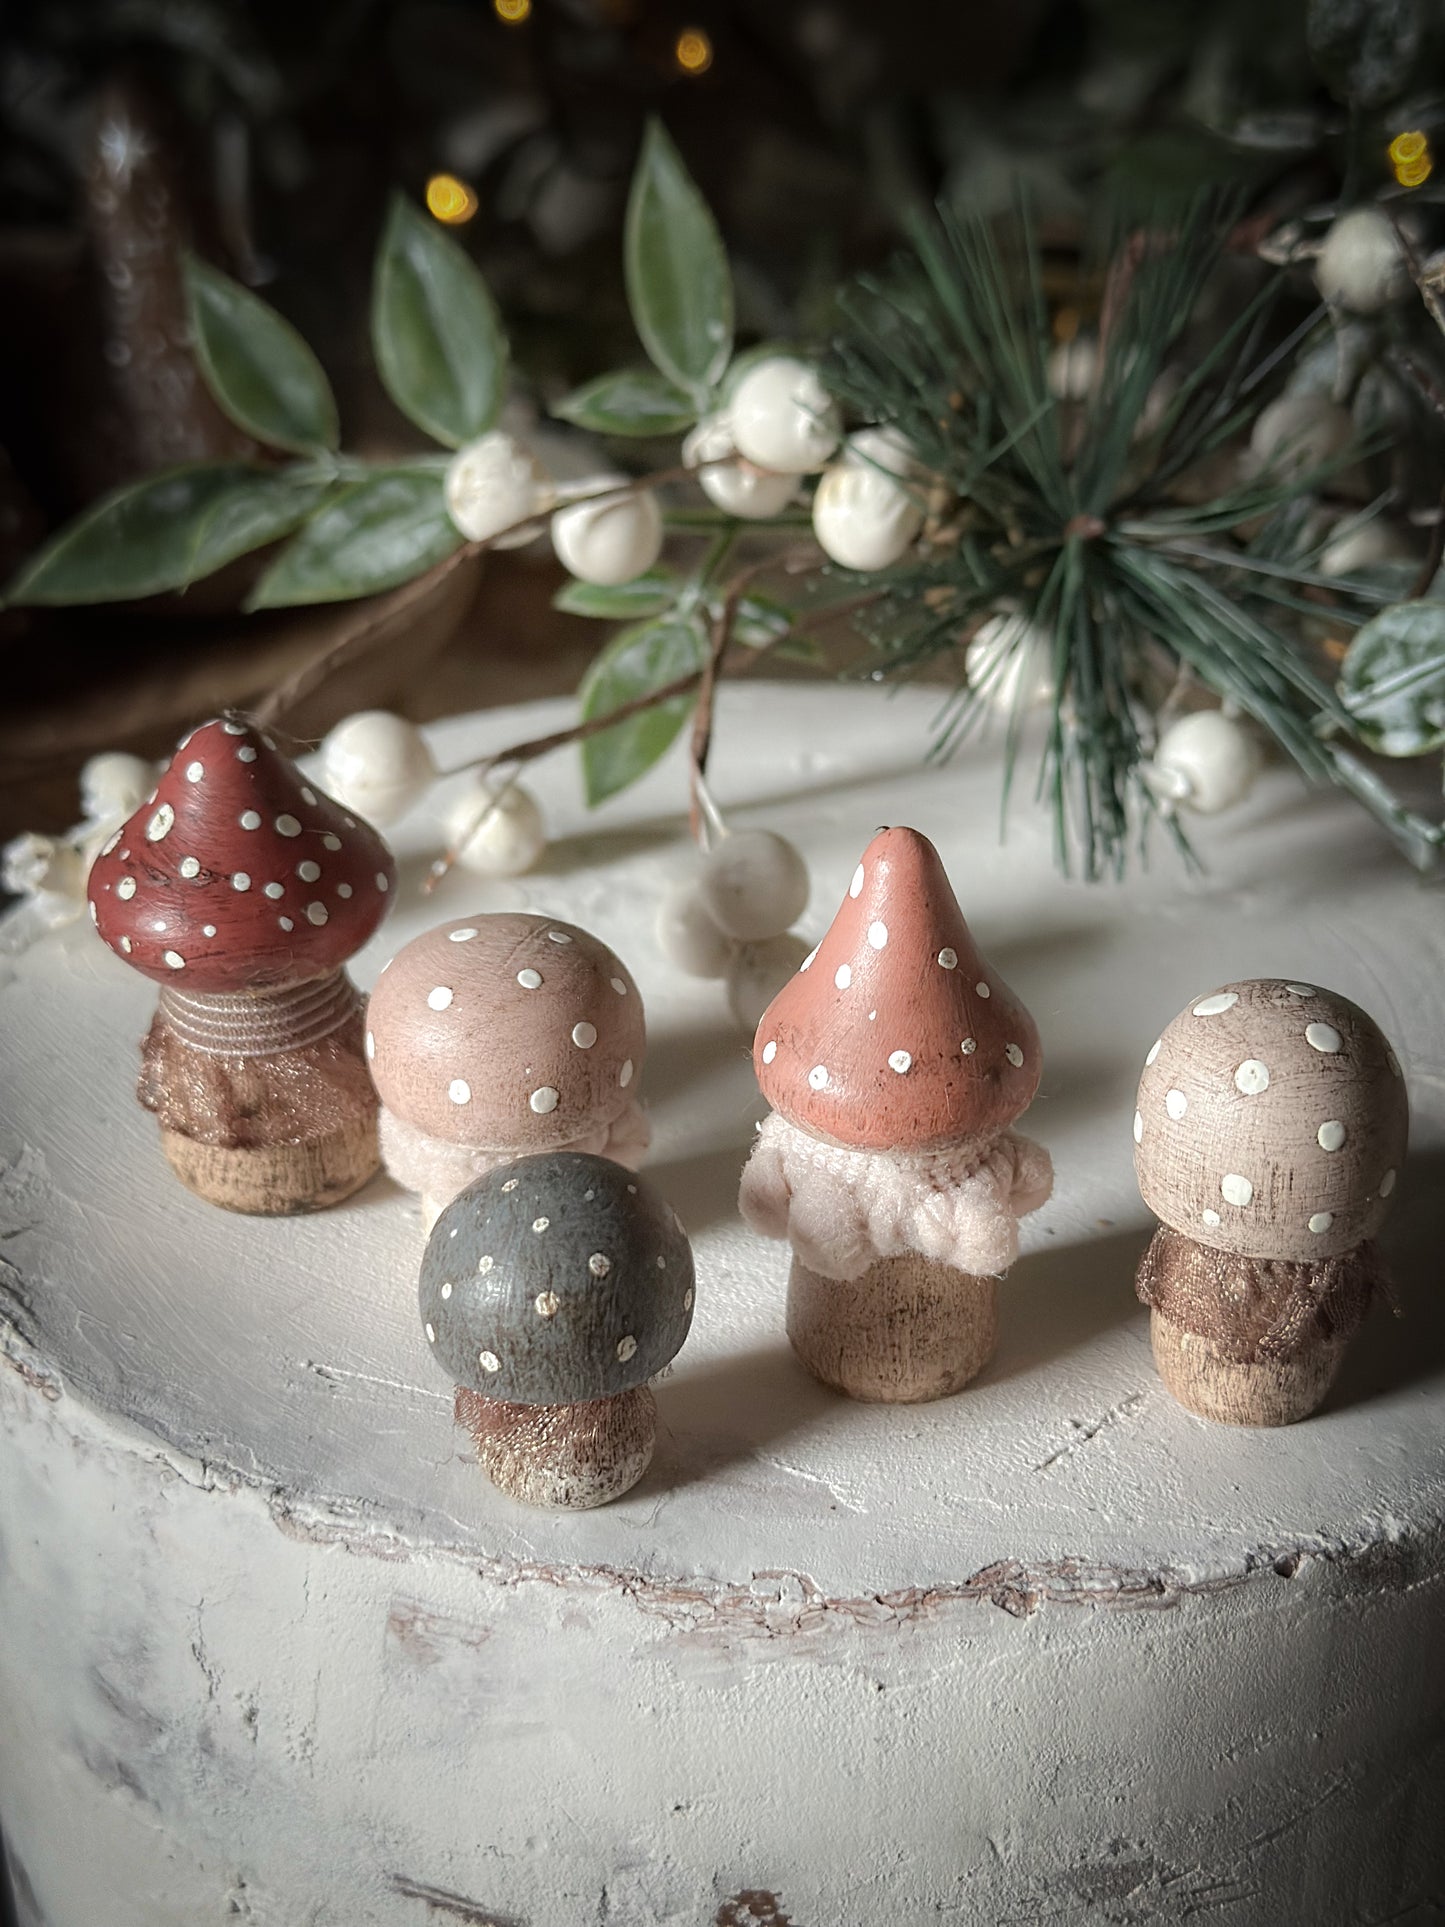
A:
x: 273, y: 1650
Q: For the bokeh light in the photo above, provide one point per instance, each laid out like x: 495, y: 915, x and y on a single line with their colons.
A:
x: 514, y: 12
x: 1411, y: 158
x: 693, y: 51
x: 449, y: 200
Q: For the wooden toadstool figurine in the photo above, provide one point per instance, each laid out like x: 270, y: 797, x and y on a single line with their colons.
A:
x: 552, y: 1290
x: 243, y: 891
x: 1270, y: 1130
x: 491, y: 1037
x: 895, y: 1062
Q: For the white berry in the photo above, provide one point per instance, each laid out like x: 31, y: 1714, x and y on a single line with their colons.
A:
x: 865, y: 514
x: 754, y: 884
x: 783, y: 418
x: 1299, y: 432
x: 496, y: 830
x: 1009, y: 664
x: 493, y: 483
x: 1363, y: 546
x: 376, y: 764
x: 1361, y: 265
x: 113, y: 785
x: 1072, y: 368
x: 736, y: 487
x: 1206, y: 762
x: 612, y: 539
x: 758, y: 973
x: 688, y: 936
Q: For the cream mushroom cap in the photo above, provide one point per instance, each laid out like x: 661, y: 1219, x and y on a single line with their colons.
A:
x: 1272, y: 1121
x: 511, y: 1032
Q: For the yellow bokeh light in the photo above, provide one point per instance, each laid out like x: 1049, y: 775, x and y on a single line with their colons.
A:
x: 693, y: 51
x: 514, y: 12
x: 1410, y: 155
x: 450, y: 200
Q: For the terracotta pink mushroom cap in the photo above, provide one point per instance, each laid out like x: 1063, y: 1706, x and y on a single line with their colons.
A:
x: 508, y: 1032
x: 238, y: 874
x: 895, y: 1034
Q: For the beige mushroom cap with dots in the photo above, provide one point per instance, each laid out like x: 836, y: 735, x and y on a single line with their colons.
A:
x: 1271, y: 1122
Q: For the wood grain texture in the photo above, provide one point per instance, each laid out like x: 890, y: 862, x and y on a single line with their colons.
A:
x: 1266, y: 1392
x: 277, y: 1180
x: 906, y: 1331
x: 565, y: 1458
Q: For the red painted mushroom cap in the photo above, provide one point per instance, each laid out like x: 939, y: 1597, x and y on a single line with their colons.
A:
x: 896, y: 1035
x: 238, y: 874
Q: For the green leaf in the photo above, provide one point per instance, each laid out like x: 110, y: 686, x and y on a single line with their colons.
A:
x: 1392, y: 679
x: 370, y: 536
x: 632, y: 401
x: 165, y: 532
x: 256, y: 365
x: 645, y: 595
x: 641, y: 659
x: 679, y: 286
x: 435, y: 331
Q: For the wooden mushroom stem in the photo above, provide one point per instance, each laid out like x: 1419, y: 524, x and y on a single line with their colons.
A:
x: 909, y: 1329
x: 569, y: 1457
x: 263, y: 1096
x: 1252, y: 1341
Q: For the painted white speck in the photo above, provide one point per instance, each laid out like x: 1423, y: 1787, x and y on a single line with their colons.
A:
x: 1209, y: 1217
x: 194, y: 772
x: 983, y: 990
x: 948, y: 958
x: 969, y: 1046
x: 190, y: 866
x: 447, y: 1287
x: 770, y: 1050
x: 1216, y: 1005
x: 1330, y: 1136
x: 250, y: 819
x: 599, y: 1264
x: 383, y: 883
x: 624, y: 1076
x: 208, y: 930
x: 159, y: 924
x: 440, y: 998
x: 632, y: 1190
x: 343, y: 890
x: 1300, y: 990
x: 626, y: 1348
x: 125, y: 945
x: 661, y: 1262
x: 1323, y: 1037
x: 1014, y: 1054
x: 431, y: 1334
x: 234, y: 729
x: 370, y: 1046
x: 317, y: 913
x: 459, y: 1091
x: 818, y: 1077
x: 856, y: 886
x: 486, y: 1261
x: 1138, y: 1127
x: 464, y: 936
x: 558, y: 936
x: 878, y: 935
x: 160, y: 823
x: 1236, y: 1190
x: 1321, y: 1221
x: 246, y: 753
x: 331, y: 841
x: 687, y: 1297
x: 1387, y: 1184
x: 308, y: 795
x: 619, y: 986
x: 125, y: 889
x: 510, y: 1185
x: 547, y: 1304
x: 807, y: 962
x: 175, y: 960
x: 540, y: 1224
x: 872, y: 1015
x: 94, y: 913
x: 584, y: 1036
x: 1252, y: 1077
x: 543, y: 1100
x: 287, y: 923
x: 1176, y: 1104
x: 843, y: 976
x: 274, y: 890
x: 240, y: 881
x: 489, y: 1361
x: 530, y: 979
x: 900, y: 1061
x: 308, y: 871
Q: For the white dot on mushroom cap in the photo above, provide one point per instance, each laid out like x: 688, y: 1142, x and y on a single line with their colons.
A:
x: 619, y: 986
x: 370, y: 1045
x: 1234, y: 1189
x: 343, y: 890
x: 687, y: 1299
x: 1252, y: 1077
x: 240, y: 881
x: 547, y: 1304
x: 331, y: 841
x: 632, y: 1190
x: 274, y: 890
x: 125, y: 945
x: 983, y: 990
x: 900, y: 1061
x: 287, y: 825
x: 544, y: 1100
x: 558, y: 936
x: 440, y: 998
x: 190, y: 866
x: 383, y: 883
x: 540, y: 1224
x: 599, y: 1264
x: 843, y: 976
x: 1323, y: 1037
x: 234, y: 729
x: 625, y: 1348
x: 447, y: 1287
x: 159, y: 924
x: 1387, y: 1184
x: 125, y: 889
x: 484, y: 1263
x: 770, y: 1051
x: 194, y: 772
x: 1176, y: 1104
x: 1216, y: 1006
x: 1330, y: 1136
x: 1209, y: 1217
x: 1321, y: 1221
x: 246, y: 754
x: 349, y: 821
x: 661, y: 1261
x: 855, y: 887
x: 175, y: 960
x: 948, y: 958
x: 1300, y: 990
x: 530, y: 979
x: 308, y: 795
x: 317, y: 913
x: 878, y: 935
x: 431, y: 1334
x: 464, y: 936
x: 286, y: 923
x: 510, y: 1185
x: 489, y: 1361
x: 807, y: 962
x: 624, y: 1076
x: 160, y: 823
x: 1154, y: 1050
x: 94, y: 913
x: 969, y: 1046
x: 459, y: 1091
x: 308, y: 871
x: 818, y: 1077
x: 1014, y: 1054
x: 208, y: 930
x: 584, y: 1036
x: 250, y: 819
x: 1138, y: 1127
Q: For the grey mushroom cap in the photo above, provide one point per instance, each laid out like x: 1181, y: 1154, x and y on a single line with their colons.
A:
x: 555, y: 1279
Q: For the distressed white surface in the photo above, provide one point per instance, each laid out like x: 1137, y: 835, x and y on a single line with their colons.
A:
x: 779, y: 1662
